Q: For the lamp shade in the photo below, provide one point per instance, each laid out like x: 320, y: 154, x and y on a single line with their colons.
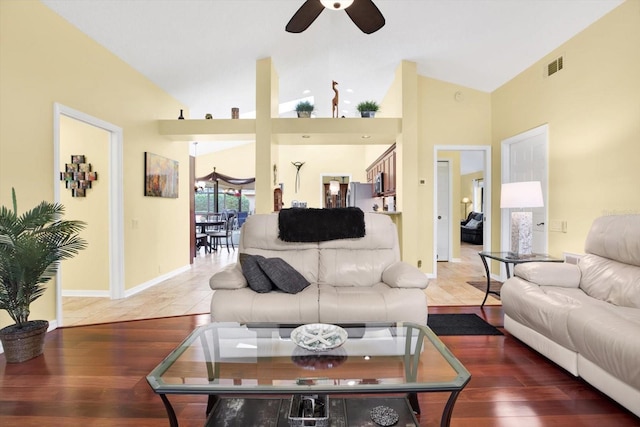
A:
x: 526, y: 194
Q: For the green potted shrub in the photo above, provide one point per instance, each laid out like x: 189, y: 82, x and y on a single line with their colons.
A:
x: 31, y: 248
x: 368, y: 108
x: 304, y: 109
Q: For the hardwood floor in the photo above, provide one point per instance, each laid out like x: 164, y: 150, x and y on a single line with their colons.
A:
x: 95, y: 376
x: 189, y: 293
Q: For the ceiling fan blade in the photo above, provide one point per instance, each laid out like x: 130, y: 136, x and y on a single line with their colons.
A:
x: 305, y: 16
x: 366, y: 16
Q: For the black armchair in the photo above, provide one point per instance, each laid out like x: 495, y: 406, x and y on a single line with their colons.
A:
x: 471, y: 229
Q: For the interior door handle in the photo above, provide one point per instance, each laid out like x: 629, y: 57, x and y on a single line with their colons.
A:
x: 539, y: 224
x: 439, y: 217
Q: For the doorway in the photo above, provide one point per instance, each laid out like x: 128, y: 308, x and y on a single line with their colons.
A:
x: 454, y: 205
x: 333, y: 189
x: 114, y: 206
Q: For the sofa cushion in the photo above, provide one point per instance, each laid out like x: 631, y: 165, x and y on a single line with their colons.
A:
x: 544, y: 309
x: 610, y: 281
x: 283, y: 276
x: 615, y: 237
x: 256, y: 278
x: 360, y: 262
x: 247, y: 306
x: 608, y: 336
x: 377, y: 303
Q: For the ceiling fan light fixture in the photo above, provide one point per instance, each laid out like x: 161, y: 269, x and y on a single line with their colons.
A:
x: 336, y: 5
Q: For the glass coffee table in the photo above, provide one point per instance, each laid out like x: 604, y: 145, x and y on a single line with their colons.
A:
x: 257, y: 370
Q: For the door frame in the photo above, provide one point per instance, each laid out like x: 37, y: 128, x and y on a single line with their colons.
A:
x: 487, y: 196
x: 505, y: 221
x: 116, y: 198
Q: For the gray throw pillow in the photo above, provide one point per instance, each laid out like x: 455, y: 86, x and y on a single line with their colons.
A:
x: 256, y: 278
x: 473, y: 223
x: 283, y: 276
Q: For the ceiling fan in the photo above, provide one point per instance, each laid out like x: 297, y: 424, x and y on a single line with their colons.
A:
x: 363, y: 13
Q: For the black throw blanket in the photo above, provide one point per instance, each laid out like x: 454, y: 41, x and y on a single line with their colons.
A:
x: 319, y: 225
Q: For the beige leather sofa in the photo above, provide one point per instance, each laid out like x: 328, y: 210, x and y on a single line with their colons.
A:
x: 586, y: 317
x: 351, y: 280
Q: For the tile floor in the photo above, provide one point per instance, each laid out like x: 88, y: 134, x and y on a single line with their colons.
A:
x: 189, y: 292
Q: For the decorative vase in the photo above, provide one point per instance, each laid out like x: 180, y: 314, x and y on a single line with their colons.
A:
x: 304, y: 114
x: 21, y: 344
x: 368, y: 114
x: 235, y: 113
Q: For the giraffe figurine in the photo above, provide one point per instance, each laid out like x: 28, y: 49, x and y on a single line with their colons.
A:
x: 334, y: 111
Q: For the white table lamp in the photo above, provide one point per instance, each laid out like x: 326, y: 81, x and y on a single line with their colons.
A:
x: 521, y: 195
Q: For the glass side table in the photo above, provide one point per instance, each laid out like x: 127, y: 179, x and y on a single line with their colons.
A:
x: 507, y: 258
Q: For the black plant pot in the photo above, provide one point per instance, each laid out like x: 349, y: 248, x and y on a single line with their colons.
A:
x: 21, y: 344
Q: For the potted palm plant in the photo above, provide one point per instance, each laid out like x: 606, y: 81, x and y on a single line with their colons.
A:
x: 31, y: 248
x: 368, y: 108
x: 304, y: 109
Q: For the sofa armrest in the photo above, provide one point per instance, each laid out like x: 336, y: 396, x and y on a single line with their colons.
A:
x: 230, y: 277
x: 549, y: 274
x: 403, y: 275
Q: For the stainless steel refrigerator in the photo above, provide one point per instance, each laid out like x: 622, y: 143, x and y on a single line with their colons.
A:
x: 361, y: 195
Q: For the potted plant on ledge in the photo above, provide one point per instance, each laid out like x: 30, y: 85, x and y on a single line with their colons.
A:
x: 31, y: 248
x: 368, y: 108
x: 304, y: 109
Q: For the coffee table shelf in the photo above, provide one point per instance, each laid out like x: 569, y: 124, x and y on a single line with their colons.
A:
x: 343, y: 412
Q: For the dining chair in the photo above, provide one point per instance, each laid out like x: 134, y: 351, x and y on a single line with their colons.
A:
x: 202, y: 240
x: 226, y: 233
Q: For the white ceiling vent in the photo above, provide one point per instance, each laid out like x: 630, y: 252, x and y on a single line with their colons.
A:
x: 554, y: 66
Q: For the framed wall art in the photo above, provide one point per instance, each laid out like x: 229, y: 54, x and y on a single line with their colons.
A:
x: 160, y: 176
x: 78, y: 175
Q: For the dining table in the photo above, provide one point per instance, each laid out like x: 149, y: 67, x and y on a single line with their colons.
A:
x: 208, y: 225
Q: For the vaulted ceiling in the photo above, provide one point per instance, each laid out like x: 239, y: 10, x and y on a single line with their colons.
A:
x: 203, y: 52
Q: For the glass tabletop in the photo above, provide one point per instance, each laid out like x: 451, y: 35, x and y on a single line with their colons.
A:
x: 230, y: 358
x: 514, y: 259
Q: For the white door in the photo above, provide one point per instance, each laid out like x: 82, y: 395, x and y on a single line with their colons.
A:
x: 527, y: 161
x: 444, y: 226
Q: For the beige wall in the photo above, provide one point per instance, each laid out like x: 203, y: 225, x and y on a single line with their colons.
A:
x: 43, y: 60
x: 445, y: 121
x: 238, y: 162
x: 89, y: 270
x: 592, y: 108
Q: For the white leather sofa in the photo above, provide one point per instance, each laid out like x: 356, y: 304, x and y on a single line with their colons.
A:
x: 586, y: 317
x: 351, y: 280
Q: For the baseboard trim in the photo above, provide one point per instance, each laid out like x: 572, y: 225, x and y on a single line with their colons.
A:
x: 85, y: 293
x: 137, y: 289
x: 146, y: 285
